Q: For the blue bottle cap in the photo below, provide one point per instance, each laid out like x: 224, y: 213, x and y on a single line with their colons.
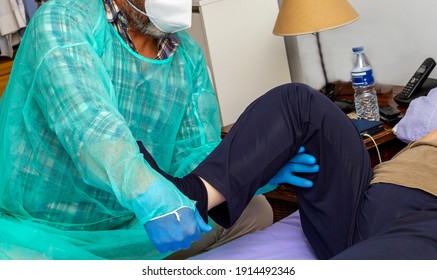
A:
x: 357, y: 49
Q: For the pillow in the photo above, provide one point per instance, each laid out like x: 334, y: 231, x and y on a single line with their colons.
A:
x: 420, y: 118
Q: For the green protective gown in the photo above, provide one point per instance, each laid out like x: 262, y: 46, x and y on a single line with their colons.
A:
x: 70, y: 168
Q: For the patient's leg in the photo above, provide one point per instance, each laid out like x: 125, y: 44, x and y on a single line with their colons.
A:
x: 267, y: 135
x: 395, y: 222
x: 190, y: 185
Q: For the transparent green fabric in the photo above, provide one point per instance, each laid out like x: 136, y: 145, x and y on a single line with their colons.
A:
x: 77, y: 101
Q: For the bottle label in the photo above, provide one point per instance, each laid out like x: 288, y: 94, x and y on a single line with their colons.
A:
x: 362, y: 77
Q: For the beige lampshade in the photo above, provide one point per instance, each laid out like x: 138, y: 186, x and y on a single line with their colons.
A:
x: 298, y: 17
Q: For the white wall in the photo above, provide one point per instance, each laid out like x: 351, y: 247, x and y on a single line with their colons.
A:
x: 245, y: 58
x: 397, y: 36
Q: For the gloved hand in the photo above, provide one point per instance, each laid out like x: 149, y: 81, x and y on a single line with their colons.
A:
x: 176, y: 230
x: 301, y: 163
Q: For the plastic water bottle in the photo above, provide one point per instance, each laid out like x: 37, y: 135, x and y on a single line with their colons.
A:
x: 365, y: 97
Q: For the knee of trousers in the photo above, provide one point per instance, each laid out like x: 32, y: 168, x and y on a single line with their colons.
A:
x: 296, y: 92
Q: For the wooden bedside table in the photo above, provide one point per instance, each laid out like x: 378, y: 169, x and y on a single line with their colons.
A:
x: 283, y: 199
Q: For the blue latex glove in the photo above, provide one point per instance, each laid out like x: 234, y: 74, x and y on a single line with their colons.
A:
x: 300, y: 163
x: 176, y: 230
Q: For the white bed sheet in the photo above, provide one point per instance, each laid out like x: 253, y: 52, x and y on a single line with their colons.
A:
x: 284, y: 240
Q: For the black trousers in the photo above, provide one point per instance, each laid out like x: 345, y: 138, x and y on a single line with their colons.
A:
x: 394, y: 222
x: 333, y: 212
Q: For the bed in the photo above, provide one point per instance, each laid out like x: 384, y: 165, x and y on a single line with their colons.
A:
x: 284, y: 240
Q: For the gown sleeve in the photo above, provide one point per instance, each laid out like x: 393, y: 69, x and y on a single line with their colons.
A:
x: 200, y: 128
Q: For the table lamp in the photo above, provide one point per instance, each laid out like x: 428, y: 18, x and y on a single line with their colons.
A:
x: 298, y: 17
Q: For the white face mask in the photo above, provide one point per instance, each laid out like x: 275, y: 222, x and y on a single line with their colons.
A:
x: 168, y: 15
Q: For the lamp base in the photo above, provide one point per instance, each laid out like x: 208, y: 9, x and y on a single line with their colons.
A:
x: 346, y: 106
x: 329, y: 90
x: 332, y: 91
